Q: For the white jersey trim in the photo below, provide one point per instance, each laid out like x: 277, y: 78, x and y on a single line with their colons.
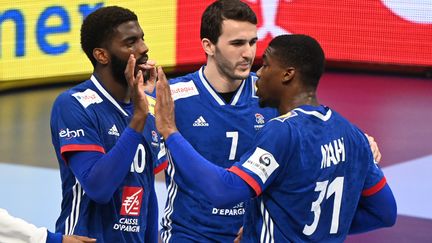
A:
x: 267, y: 229
x: 237, y: 96
x: 172, y: 192
x: 213, y: 93
x: 325, y: 117
x: 72, y: 219
x: 107, y: 95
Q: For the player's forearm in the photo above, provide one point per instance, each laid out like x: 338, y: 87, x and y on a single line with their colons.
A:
x: 376, y: 211
x: 220, y: 186
x: 101, y: 174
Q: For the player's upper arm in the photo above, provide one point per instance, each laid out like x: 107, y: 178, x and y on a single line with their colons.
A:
x: 263, y: 162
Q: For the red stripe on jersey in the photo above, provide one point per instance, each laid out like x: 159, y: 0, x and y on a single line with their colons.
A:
x: 374, y: 189
x: 247, y: 178
x: 80, y: 147
x: 160, y: 167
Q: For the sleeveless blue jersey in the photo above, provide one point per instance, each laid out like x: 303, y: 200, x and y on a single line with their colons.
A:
x: 308, y: 168
x: 87, y: 118
x: 221, y: 133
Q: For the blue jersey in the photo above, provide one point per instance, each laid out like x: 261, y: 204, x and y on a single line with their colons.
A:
x: 87, y: 118
x: 308, y: 168
x: 221, y: 133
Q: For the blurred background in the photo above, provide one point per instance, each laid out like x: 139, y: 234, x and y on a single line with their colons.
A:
x: 379, y: 69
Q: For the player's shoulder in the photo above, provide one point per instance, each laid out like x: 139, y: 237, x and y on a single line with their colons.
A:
x: 184, y: 86
x: 84, y: 94
x: 184, y: 78
x: 284, y: 118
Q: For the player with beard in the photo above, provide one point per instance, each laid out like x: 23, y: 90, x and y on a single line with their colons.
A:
x: 310, y: 173
x: 104, y: 136
x: 215, y: 105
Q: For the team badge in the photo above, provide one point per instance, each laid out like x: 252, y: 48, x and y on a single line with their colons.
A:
x: 259, y: 120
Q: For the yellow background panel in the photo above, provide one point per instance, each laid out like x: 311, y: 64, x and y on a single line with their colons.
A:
x: 157, y: 18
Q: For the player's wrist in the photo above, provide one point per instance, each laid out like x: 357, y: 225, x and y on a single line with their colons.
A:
x: 168, y: 132
x: 138, y: 122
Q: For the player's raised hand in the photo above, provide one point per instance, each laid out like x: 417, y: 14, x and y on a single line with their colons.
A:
x: 374, y: 147
x: 138, y: 96
x: 164, y: 108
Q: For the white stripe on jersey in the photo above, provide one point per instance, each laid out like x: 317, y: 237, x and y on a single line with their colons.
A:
x: 77, y: 211
x: 72, y: 219
x: 172, y: 192
x: 213, y: 93
x: 209, y: 89
x: 316, y: 113
x: 107, y: 95
x: 254, y: 88
x: 239, y: 91
x: 267, y: 229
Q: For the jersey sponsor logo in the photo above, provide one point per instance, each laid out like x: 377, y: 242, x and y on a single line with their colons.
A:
x: 200, y: 122
x: 113, y: 131
x: 68, y: 134
x: 236, y: 210
x: 132, y: 199
x: 87, y: 97
x: 183, y: 90
x: 262, y: 163
x: 127, y: 224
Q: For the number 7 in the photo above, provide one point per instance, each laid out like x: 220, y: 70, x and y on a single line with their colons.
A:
x: 233, y: 150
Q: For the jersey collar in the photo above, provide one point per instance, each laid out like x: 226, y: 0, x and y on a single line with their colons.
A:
x: 214, y: 94
x: 107, y: 95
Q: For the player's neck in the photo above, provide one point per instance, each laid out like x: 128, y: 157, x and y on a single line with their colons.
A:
x: 294, y: 101
x: 220, y: 82
x: 116, y: 89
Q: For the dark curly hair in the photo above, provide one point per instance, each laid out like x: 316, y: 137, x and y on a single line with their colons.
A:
x: 99, y: 27
x: 215, y: 13
x: 301, y: 52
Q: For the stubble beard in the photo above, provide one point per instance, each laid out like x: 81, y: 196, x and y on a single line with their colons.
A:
x: 227, y: 68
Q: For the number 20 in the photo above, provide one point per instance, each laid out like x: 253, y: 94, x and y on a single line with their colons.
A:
x: 336, y: 188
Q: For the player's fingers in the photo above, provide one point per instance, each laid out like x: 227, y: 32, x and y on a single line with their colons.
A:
x: 130, y: 69
x: 139, y: 79
x: 150, y: 64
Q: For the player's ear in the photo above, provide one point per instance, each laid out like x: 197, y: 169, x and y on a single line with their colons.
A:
x: 208, y: 46
x: 288, y: 74
x: 101, y: 55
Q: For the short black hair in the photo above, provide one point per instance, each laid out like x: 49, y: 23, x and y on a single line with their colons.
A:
x: 98, y: 28
x: 301, y: 52
x: 215, y: 13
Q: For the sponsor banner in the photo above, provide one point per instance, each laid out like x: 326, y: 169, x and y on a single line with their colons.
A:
x: 40, y: 40
x: 390, y: 32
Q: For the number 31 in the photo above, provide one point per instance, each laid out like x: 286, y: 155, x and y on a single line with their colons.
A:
x: 336, y: 188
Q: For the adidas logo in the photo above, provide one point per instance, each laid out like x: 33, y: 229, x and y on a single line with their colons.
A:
x: 200, y: 122
x: 113, y: 131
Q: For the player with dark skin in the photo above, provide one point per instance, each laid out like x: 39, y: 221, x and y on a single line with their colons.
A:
x: 285, y: 86
x: 114, y: 109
